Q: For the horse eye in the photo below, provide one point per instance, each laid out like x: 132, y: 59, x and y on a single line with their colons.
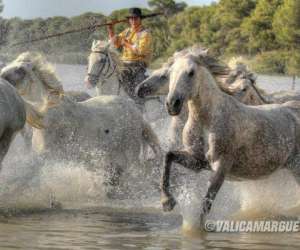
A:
x: 191, y: 73
x: 163, y: 77
x: 21, y: 71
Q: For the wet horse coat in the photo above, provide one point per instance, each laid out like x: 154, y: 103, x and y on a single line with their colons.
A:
x: 231, y: 139
x: 104, y: 127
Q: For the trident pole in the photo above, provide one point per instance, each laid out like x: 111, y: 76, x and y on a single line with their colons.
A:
x: 92, y: 27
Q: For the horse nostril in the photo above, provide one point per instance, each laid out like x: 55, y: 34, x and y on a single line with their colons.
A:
x: 139, y: 92
x: 177, y: 103
x: 143, y: 91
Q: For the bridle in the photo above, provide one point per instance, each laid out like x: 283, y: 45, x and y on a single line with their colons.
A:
x: 107, y: 69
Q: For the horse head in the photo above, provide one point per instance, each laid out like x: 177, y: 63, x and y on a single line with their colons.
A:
x: 16, y: 73
x: 102, y: 63
x: 34, y: 78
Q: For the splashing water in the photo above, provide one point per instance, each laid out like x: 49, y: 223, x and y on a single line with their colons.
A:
x: 28, y: 182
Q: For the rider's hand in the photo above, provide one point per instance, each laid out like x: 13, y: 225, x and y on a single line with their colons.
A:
x: 129, y: 45
x: 126, y: 43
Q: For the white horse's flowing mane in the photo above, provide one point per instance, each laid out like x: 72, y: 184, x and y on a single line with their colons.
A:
x: 43, y: 70
x: 223, y: 73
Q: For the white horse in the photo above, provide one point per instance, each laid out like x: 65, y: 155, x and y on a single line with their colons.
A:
x: 43, y: 88
x: 39, y: 95
x: 250, y: 93
x: 223, y: 135
x: 231, y: 82
x: 13, y: 114
x: 105, y: 70
x: 104, y: 127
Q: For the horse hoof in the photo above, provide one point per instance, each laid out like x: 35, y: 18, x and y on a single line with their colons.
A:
x: 168, y: 203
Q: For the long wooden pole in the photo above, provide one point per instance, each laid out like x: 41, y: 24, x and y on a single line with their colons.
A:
x: 76, y: 31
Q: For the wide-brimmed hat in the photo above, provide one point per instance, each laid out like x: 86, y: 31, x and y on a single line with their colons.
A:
x: 135, y: 12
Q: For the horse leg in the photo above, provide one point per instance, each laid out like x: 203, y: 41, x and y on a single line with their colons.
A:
x: 5, y: 142
x: 214, y: 185
x: 26, y: 133
x: 296, y: 174
x: 294, y: 168
x: 152, y: 140
x: 186, y: 160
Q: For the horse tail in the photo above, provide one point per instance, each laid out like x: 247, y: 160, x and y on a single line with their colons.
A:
x: 33, y: 116
x: 151, y: 138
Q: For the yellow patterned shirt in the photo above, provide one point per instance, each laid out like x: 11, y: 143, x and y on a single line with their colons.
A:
x: 142, y: 42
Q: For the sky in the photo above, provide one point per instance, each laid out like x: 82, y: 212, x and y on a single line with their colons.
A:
x: 27, y: 9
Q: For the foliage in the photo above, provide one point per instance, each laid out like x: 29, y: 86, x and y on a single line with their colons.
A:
x: 287, y: 24
x: 257, y: 29
x: 271, y: 62
x: 1, y: 6
x: 268, y: 31
x: 168, y: 7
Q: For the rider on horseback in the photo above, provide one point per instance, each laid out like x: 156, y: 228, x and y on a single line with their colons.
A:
x: 136, y: 43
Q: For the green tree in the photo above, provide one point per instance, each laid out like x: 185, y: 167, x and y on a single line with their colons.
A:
x: 287, y: 24
x: 258, y: 29
x: 186, y: 28
x: 169, y: 7
x: 287, y: 30
x: 227, y: 21
x: 3, y: 25
x: 1, y: 6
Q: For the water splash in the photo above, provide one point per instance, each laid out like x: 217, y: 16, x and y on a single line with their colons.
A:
x: 29, y: 182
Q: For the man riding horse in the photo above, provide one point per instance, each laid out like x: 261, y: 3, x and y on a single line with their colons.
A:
x: 135, y: 43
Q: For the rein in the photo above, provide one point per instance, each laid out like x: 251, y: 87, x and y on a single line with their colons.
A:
x: 106, y: 75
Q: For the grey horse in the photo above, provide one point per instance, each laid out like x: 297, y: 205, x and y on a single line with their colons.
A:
x: 233, y: 82
x: 103, y: 127
x: 47, y: 85
x: 250, y: 93
x: 223, y: 135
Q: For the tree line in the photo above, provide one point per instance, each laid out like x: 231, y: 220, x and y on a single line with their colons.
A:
x: 265, y: 32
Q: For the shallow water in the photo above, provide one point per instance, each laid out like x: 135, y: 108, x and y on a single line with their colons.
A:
x: 117, y: 229
x: 85, y: 219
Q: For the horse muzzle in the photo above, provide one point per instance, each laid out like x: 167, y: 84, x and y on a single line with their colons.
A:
x: 142, y: 90
x: 90, y: 83
x: 174, y: 106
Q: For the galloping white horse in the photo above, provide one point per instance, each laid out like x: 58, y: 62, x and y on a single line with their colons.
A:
x: 47, y: 86
x: 42, y: 88
x: 221, y: 134
x: 104, y: 127
x: 158, y: 84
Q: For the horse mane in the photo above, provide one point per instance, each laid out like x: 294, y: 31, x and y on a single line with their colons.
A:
x: 43, y: 70
x: 224, y: 74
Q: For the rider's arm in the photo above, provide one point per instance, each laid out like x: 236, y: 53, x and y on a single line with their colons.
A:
x: 117, y: 40
x: 142, y: 47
